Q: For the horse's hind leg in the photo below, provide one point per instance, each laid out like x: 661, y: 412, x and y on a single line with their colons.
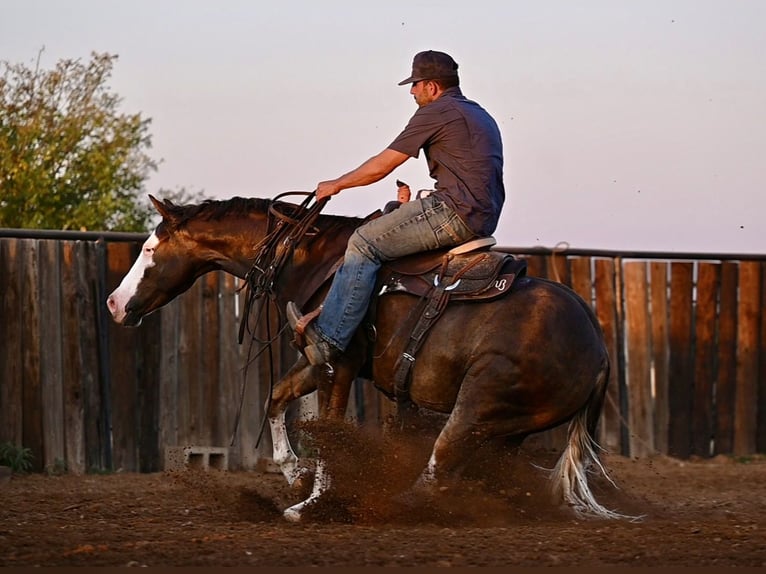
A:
x: 456, y: 442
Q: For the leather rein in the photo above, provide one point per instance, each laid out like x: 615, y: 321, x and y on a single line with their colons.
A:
x: 284, y: 232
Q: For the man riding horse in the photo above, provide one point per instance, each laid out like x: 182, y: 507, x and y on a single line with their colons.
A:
x: 463, y: 147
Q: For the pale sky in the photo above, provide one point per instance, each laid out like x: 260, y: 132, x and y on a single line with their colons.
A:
x: 627, y: 124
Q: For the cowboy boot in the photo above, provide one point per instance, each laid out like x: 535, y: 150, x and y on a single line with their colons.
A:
x: 315, y: 348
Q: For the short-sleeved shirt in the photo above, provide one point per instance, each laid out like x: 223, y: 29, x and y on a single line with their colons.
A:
x: 464, y: 150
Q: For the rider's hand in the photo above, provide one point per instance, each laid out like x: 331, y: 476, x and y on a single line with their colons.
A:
x: 327, y: 189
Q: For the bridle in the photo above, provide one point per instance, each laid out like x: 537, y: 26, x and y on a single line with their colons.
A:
x: 283, y: 232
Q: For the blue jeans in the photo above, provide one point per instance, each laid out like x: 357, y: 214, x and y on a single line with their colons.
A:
x: 418, y: 225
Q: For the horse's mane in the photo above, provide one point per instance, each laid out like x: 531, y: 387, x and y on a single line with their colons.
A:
x: 216, y: 209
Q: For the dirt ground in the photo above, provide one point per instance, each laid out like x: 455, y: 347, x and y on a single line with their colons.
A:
x: 695, y: 513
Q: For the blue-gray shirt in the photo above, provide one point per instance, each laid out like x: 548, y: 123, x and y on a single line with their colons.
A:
x: 464, y: 150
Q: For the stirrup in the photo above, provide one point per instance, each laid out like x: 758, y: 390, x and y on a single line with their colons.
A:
x: 299, y: 323
x: 321, y: 353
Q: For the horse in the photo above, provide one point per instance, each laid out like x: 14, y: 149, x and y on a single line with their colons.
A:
x: 502, y: 369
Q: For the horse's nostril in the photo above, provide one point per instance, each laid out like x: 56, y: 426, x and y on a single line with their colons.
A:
x: 111, y: 304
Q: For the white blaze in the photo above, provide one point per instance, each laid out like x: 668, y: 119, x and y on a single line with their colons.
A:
x: 120, y: 296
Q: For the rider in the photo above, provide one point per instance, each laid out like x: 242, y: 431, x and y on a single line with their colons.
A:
x: 463, y: 148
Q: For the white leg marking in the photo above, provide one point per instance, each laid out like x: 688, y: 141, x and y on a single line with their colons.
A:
x: 283, y: 454
x: 321, y: 484
x: 129, y: 285
x: 427, y: 478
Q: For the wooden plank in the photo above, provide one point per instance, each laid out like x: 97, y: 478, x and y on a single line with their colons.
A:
x: 212, y: 433
x: 189, y: 351
x: 169, y: 400
x: 658, y: 301
x: 148, y: 393
x: 51, y: 376
x: 94, y: 403
x: 32, y: 416
x: 557, y: 268
x: 72, y: 387
x: 243, y: 432
x: 254, y: 393
x: 123, y: 345
x: 608, y: 311
x: 681, y: 369
x: 637, y: 342
x: 581, y: 280
x: 726, y: 380
x: 748, y: 343
x: 229, y: 368
x: 537, y: 265
x: 11, y: 389
x: 702, y: 416
x: 760, y: 439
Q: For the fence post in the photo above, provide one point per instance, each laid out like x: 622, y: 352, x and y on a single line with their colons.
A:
x: 638, y: 344
x: 746, y: 396
x: 103, y: 353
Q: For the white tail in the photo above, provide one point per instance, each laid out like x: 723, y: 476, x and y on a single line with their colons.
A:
x: 570, y: 475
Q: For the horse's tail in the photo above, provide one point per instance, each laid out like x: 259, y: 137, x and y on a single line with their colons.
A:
x: 570, y: 475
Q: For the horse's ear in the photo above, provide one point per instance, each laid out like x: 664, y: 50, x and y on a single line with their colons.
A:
x: 162, y: 207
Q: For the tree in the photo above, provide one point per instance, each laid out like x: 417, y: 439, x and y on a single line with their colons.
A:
x: 69, y: 159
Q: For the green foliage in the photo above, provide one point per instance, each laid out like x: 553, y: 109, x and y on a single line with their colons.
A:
x: 69, y: 159
x: 18, y: 458
x: 58, y: 468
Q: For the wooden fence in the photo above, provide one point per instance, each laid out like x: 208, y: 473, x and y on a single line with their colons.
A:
x: 87, y: 395
x: 686, y: 337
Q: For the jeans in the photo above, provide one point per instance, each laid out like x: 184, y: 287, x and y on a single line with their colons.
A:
x: 418, y: 225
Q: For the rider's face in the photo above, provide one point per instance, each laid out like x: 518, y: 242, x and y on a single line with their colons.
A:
x: 424, y: 92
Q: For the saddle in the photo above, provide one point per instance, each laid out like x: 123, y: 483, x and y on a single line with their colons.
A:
x: 470, y: 272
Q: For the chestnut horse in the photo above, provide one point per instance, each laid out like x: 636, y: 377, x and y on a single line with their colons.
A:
x: 501, y: 369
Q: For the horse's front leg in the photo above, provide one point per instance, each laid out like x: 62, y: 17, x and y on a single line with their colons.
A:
x: 297, y: 383
x: 321, y: 484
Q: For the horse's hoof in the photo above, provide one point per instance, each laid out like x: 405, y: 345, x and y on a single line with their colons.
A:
x: 411, y: 499
x: 303, y: 483
x: 292, y: 514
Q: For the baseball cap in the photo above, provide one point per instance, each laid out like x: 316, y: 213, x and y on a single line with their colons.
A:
x: 431, y: 65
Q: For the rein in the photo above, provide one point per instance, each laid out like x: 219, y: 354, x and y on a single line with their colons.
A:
x: 283, y: 233
x: 276, y: 248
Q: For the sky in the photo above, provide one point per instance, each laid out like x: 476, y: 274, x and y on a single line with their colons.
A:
x: 626, y: 124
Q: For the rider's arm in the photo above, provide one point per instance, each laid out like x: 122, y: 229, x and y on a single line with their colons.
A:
x: 374, y: 169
